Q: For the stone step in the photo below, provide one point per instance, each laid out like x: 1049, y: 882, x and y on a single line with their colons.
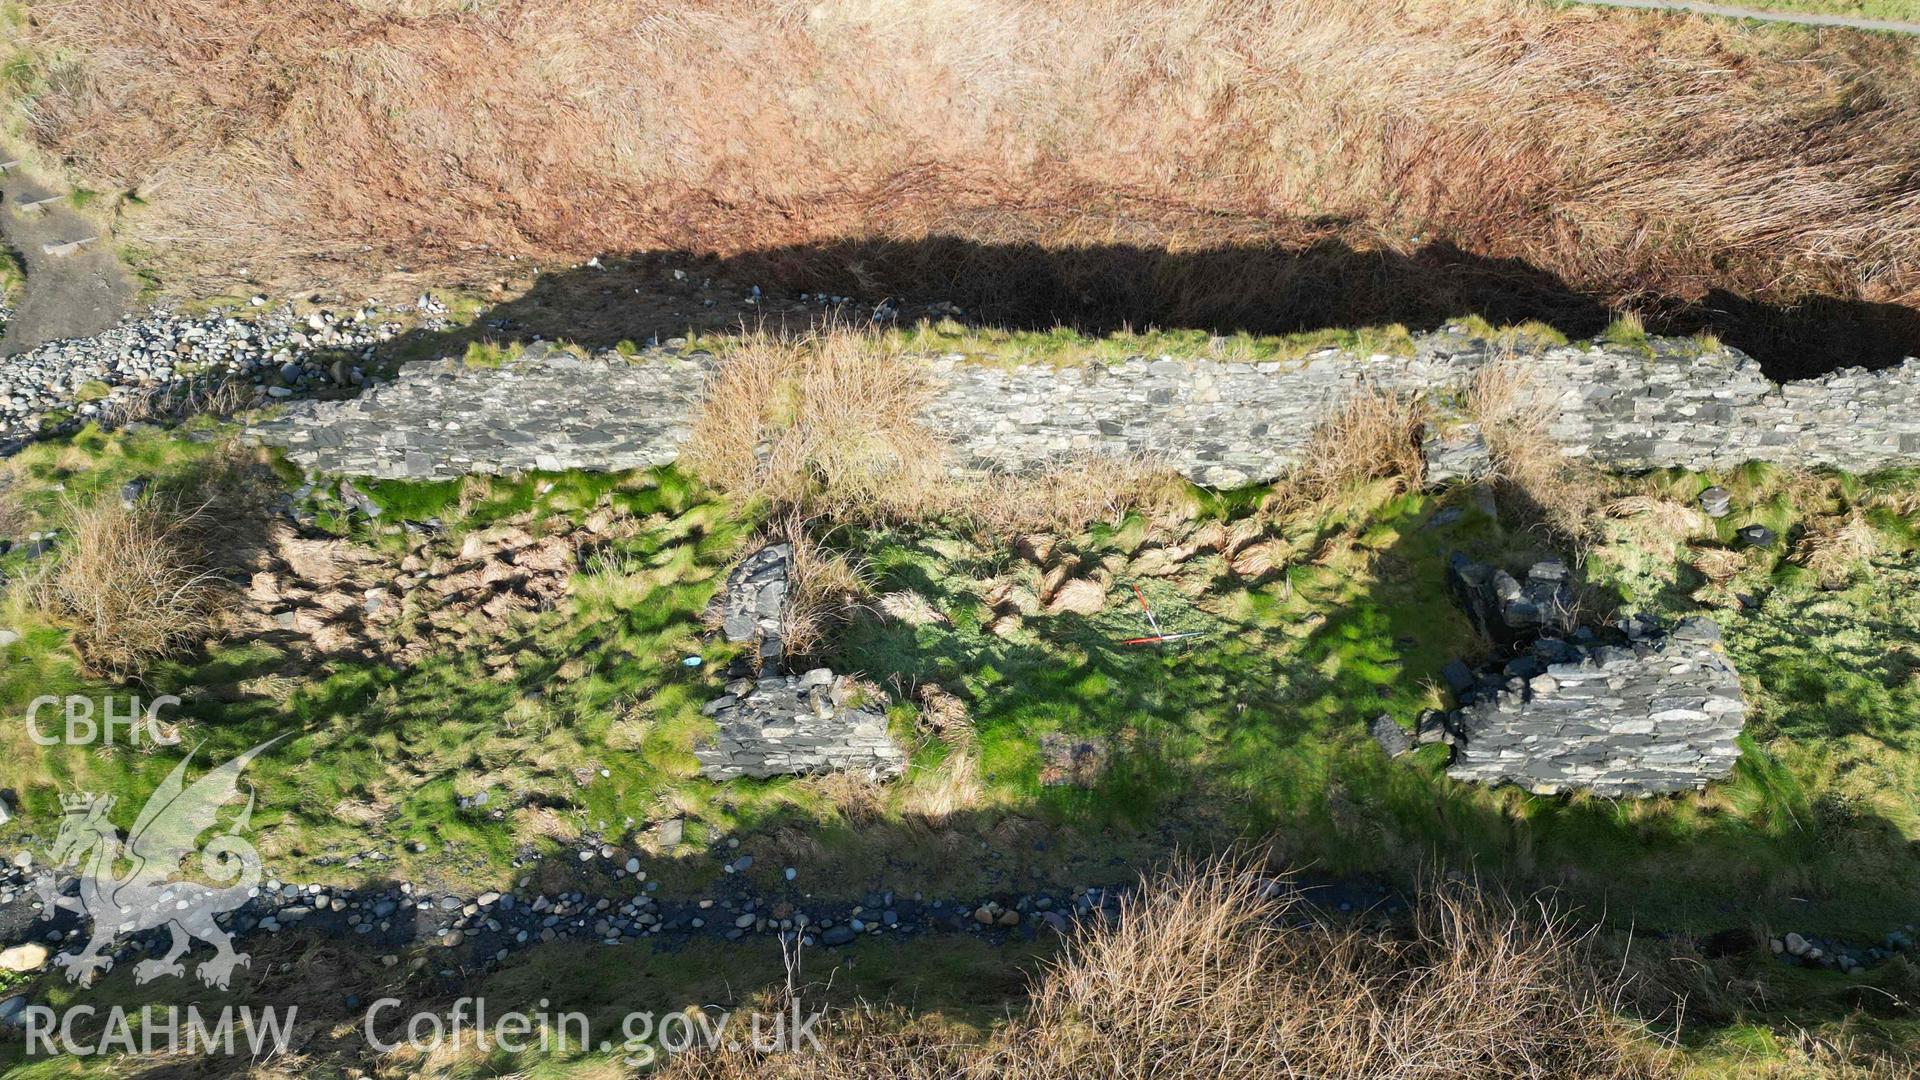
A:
x: 36, y: 206
x: 67, y: 248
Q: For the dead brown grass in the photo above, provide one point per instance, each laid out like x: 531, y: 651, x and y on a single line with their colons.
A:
x: 1204, y: 976
x: 13, y: 520
x: 1623, y: 153
x: 1069, y: 496
x: 828, y: 423
x: 131, y: 582
x: 952, y: 787
x: 1666, y: 520
x: 1374, y: 434
x: 1836, y: 548
x: 824, y: 587
x: 1535, y: 480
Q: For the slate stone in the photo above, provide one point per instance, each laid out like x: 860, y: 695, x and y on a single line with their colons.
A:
x: 1393, y: 738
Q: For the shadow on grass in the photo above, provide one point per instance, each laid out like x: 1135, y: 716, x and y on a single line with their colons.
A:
x: 1260, y: 730
x: 1099, y: 289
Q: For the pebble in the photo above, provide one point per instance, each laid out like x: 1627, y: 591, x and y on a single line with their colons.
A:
x: 164, y: 352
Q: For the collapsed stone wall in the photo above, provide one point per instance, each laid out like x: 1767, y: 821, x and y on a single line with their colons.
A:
x: 547, y: 410
x: 1659, y: 713
x: 1226, y: 424
x: 1635, y: 709
x: 771, y: 722
x: 1219, y: 423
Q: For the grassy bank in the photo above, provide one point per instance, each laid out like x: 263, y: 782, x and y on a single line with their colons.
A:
x: 580, y: 721
x: 1200, y: 164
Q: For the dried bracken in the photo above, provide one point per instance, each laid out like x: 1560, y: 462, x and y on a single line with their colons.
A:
x: 336, y: 598
x: 943, y: 714
x: 1836, y: 548
x: 909, y: 607
x: 1720, y: 565
x: 1264, y: 557
x: 824, y: 586
x: 1071, y: 495
x: 1660, y: 522
x: 1080, y: 596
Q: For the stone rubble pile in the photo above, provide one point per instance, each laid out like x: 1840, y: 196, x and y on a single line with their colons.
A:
x: 275, y: 352
x: 1659, y: 713
x: 753, y: 604
x: 771, y: 723
x: 780, y: 725
x: 1640, y: 710
x: 1504, y: 609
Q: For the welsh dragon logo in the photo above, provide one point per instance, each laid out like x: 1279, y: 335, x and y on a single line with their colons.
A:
x: 150, y: 895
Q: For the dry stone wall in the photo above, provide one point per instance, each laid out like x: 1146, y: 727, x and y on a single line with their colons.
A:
x: 1220, y: 423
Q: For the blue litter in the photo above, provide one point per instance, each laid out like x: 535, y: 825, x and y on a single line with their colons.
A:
x: 691, y: 661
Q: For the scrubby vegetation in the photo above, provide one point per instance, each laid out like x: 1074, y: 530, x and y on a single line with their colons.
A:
x: 1204, y: 976
x: 131, y: 583
x: 828, y: 424
x: 1100, y: 673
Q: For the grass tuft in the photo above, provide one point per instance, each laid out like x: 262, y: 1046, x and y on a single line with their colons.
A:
x: 826, y: 423
x: 1536, y: 481
x: 1203, y: 974
x: 1373, y: 435
x: 131, y: 582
